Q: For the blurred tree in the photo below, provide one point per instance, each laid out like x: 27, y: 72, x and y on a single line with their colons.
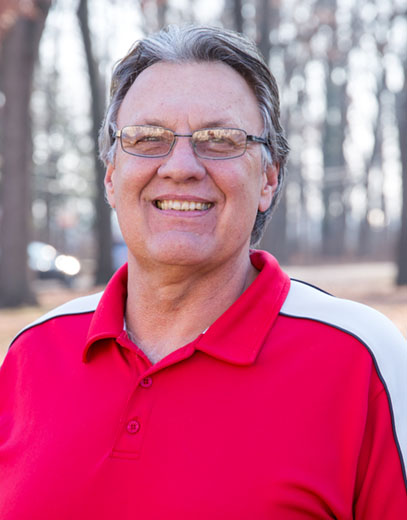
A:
x: 333, y: 137
x: 267, y: 21
x: 375, y: 160
x: 161, y: 12
x: 64, y: 186
x: 374, y: 237
x: 402, y: 128
x: 237, y: 15
x: 11, y: 10
x: 46, y: 172
x: 18, y: 57
x: 232, y: 15
x: 104, y: 265
x: 154, y: 14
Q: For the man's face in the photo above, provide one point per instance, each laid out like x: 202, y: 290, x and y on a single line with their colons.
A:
x: 185, y: 98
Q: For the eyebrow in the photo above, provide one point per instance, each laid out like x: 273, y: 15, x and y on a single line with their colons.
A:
x: 215, y: 123
x: 152, y: 122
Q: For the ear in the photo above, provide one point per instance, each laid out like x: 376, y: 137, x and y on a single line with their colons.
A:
x: 109, y: 184
x: 269, y: 186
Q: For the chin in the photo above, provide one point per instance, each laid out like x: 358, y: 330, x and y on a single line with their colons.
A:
x: 180, y: 249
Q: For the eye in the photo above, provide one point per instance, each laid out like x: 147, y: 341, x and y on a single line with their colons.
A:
x: 147, y: 141
x: 219, y: 139
x: 150, y: 138
x: 224, y: 137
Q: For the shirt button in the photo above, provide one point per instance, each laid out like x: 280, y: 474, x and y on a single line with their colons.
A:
x: 146, y: 382
x: 133, y: 426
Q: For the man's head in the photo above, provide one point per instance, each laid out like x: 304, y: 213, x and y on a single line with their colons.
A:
x: 195, y: 44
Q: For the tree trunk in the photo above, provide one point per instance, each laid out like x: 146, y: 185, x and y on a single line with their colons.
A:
x: 103, y: 230
x: 333, y: 224
x: 161, y: 13
x: 275, y: 236
x: 232, y: 15
x: 237, y: 15
x: 365, y: 238
x: 19, y: 54
x: 402, y: 127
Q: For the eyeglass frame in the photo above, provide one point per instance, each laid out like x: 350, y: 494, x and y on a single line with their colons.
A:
x: 249, y: 139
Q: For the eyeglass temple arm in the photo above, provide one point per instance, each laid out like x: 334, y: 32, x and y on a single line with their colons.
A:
x: 255, y: 139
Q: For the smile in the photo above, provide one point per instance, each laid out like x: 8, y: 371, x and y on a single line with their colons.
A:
x: 182, y: 205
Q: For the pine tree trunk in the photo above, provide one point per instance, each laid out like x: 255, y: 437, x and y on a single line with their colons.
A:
x: 402, y: 127
x: 104, y: 264
x: 19, y: 55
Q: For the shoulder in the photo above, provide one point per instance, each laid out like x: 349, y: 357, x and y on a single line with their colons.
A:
x: 374, y: 332
x: 369, y: 326
x: 75, y: 307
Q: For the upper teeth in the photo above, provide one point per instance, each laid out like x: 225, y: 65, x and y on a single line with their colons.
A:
x: 183, y: 205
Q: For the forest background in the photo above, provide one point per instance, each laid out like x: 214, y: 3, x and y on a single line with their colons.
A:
x: 341, y: 66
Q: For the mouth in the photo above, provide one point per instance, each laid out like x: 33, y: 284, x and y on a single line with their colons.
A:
x: 182, y: 205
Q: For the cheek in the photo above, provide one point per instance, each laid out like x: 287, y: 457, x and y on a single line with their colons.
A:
x: 243, y: 205
x: 122, y: 197
x: 131, y: 168
x: 130, y: 180
x: 241, y: 186
x: 248, y: 187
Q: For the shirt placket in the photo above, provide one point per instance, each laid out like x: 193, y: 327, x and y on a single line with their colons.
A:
x: 133, y: 425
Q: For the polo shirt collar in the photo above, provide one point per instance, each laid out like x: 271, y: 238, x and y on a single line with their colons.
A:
x: 107, y: 320
x: 239, y: 333
x: 235, y: 337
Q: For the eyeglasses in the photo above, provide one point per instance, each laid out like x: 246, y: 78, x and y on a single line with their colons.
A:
x: 208, y: 143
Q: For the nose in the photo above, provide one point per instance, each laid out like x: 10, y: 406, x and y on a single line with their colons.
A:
x: 182, y: 163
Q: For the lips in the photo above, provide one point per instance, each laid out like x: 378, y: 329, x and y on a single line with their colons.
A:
x: 182, y: 205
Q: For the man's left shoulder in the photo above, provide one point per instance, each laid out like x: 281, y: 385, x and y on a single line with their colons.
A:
x: 374, y: 331
x: 366, y: 324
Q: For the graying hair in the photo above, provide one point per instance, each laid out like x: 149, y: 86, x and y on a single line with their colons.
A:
x: 191, y: 43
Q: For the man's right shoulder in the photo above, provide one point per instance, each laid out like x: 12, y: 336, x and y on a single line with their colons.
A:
x: 76, y: 307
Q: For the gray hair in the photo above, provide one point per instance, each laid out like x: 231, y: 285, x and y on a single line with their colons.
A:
x: 191, y: 43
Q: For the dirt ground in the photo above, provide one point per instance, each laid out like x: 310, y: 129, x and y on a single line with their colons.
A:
x: 369, y: 283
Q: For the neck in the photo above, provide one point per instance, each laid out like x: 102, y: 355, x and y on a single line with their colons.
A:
x: 169, y: 307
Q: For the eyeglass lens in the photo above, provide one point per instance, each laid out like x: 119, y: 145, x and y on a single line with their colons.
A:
x: 219, y: 142
x: 212, y: 143
x: 146, y: 140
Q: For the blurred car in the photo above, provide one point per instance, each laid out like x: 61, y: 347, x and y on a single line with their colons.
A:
x: 47, y: 263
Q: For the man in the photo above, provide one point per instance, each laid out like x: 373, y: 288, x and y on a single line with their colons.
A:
x: 202, y: 383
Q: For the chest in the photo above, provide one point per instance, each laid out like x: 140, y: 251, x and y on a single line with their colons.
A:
x: 200, y: 438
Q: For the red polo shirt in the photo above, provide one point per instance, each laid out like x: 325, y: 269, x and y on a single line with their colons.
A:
x: 291, y: 406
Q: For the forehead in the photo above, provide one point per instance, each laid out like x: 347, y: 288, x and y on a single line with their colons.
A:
x: 191, y: 94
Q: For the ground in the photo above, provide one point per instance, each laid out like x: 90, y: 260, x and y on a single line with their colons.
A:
x: 370, y: 283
